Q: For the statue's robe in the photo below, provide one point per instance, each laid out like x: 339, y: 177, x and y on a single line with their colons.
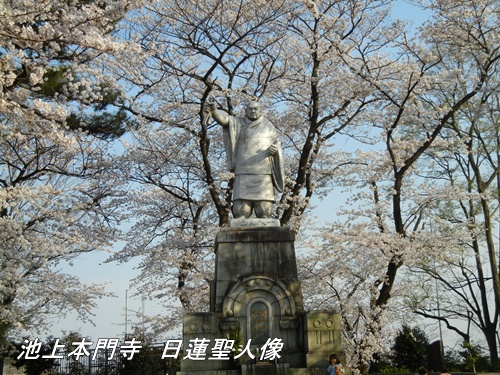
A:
x: 257, y: 172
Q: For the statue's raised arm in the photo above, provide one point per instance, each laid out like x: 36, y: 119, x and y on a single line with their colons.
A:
x: 254, y: 154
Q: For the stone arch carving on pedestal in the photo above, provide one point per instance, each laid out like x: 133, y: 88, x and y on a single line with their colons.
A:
x: 258, y: 287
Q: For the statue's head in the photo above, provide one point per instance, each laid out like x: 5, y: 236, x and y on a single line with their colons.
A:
x: 253, y: 111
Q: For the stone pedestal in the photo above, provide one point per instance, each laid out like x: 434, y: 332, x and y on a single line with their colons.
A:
x: 256, y: 292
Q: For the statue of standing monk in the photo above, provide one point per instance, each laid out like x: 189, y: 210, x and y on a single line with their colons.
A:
x: 254, y: 154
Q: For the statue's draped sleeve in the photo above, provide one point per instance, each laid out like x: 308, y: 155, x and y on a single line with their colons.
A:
x: 230, y: 135
x: 278, y: 169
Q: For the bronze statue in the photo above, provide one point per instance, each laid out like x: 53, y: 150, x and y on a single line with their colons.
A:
x: 254, y: 154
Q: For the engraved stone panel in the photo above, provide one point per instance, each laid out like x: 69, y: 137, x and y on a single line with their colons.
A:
x: 259, y: 323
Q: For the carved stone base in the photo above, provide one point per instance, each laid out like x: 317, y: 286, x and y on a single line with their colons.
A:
x: 257, y: 292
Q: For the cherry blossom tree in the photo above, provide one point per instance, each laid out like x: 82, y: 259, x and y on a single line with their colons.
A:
x: 318, y: 96
x: 466, y: 300
x: 468, y: 278
x: 189, y: 51
x: 286, y: 54
x: 59, y: 188
x: 387, y: 224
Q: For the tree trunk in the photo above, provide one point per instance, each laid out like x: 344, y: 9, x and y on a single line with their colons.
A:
x: 490, y: 335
